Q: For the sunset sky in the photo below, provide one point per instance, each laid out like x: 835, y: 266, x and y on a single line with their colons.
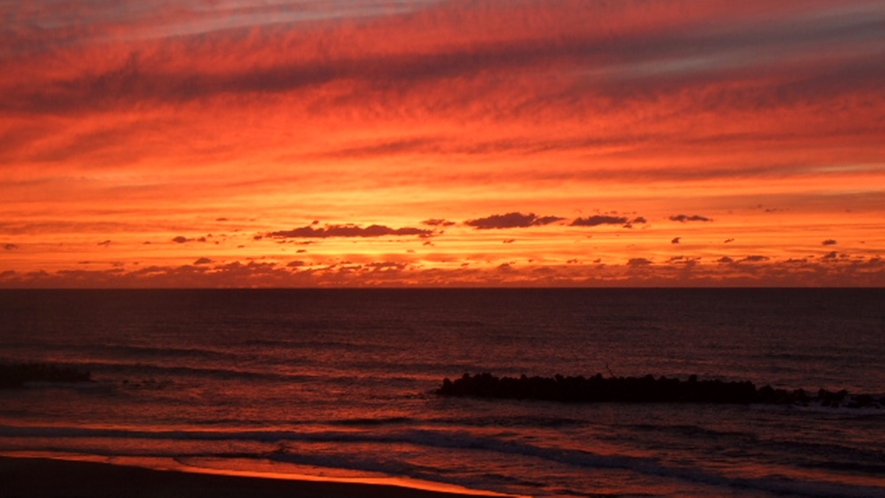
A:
x: 293, y: 143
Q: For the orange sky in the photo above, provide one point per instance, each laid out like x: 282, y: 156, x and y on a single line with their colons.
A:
x: 156, y: 143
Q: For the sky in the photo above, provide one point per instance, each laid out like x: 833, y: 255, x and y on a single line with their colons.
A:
x: 304, y: 143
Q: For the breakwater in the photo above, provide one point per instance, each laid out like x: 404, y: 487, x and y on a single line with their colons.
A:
x: 647, y: 389
x: 13, y: 376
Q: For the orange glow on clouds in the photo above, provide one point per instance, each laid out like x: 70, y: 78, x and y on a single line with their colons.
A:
x: 417, y: 142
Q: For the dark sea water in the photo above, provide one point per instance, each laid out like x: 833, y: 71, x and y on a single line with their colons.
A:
x: 338, y: 383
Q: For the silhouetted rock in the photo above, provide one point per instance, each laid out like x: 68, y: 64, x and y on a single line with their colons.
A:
x: 12, y: 376
x: 637, y: 390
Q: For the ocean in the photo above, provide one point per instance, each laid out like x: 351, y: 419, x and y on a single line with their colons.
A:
x: 339, y: 384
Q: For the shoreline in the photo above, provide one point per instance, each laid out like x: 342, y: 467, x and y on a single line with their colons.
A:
x: 56, y: 478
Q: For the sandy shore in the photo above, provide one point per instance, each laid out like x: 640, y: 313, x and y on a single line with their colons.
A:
x: 38, y: 477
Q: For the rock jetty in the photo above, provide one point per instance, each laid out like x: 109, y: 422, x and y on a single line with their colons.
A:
x: 13, y: 376
x: 648, y: 389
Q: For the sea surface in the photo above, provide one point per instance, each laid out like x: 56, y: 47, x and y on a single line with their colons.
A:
x: 338, y: 384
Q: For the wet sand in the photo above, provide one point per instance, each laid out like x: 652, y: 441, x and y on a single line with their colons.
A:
x: 39, y: 477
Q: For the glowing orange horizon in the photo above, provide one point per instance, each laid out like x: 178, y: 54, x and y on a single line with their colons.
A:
x: 564, y: 143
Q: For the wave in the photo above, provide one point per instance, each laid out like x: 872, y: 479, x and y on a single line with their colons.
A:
x: 443, y: 439
x: 828, y: 455
x: 221, y: 373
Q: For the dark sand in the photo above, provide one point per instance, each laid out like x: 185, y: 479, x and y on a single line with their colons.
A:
x: 38, y: 477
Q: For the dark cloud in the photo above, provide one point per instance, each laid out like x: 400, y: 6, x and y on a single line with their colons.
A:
x: 597, y: 220
x: 105, y: 243
x: 349, y: 230
x: 546, y: 220
x: 221, y: 219
x: 638, y: 220
x: 10, y: 247
x: 180, y: 239
x: 676, y: 240
x: 437, y: 222
x: 830, y: 256
x: 682, y: 218
x: 295, y: 264
x: 511, y: 220
x: 828, y: 242
x: 506, y: 268
x: 639, y: 262
x: 728, y: 241
x: 725, y: 259
x: 203, y: 261
x: 686, y: 261
x: 386, y: 266
x: 754, y: 259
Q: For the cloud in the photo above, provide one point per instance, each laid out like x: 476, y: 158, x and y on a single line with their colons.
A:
x: 509, y: 241
x: 104, y: 243
x: 511, y: 220
x: 597, y: 220
x: 681, y: 218
x: 754, y: 259
x: 350, y: 230
x: 182, y: 239
x: 386, y: 266
x: 433, y: 222
x: 638, y: 262
x: 828, y: 242
x: 676, y: 240
x: 637, y: 272
x: 637, y: 220
x: 636, y: 53
x: 728, y: 241
x: 117, y: 87
x: 203, y: 261
x: 725, y: 260
x: 295, y: 264
x: 10, y: 247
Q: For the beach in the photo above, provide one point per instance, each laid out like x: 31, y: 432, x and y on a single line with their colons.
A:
x: 43, y: 477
